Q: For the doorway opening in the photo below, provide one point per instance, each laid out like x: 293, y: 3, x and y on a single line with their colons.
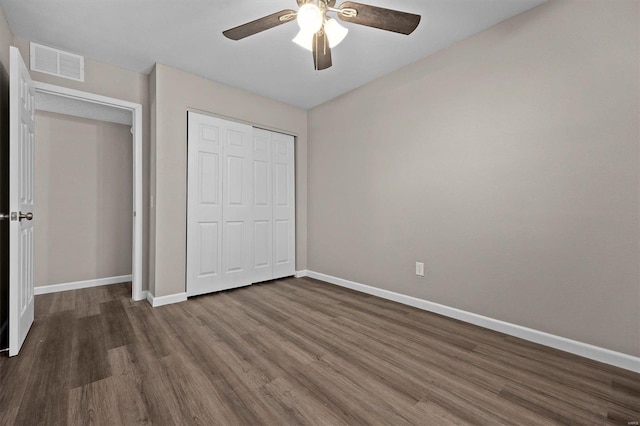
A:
x: 77, y: 103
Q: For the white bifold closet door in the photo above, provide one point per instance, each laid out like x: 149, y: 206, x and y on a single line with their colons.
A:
x: 284, y: 227
x: 274, y: 205
x: 240, y: 208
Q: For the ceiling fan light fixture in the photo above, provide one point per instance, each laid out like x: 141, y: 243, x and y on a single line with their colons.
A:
x: 310, y: 18
x: 319, y: 33
x: 335, y: 32
x: 304, y: 39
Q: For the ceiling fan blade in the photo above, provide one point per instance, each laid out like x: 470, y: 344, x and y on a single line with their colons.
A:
x: 259, y: 25
x: 321, y: 51
x: 378, y: 17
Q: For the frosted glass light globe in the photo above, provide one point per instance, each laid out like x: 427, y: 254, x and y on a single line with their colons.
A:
x: 310, y: 18
x: 335, y: 32
x: 304, y: 39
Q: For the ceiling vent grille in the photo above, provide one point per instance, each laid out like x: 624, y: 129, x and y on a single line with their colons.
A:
x: 56, y: 62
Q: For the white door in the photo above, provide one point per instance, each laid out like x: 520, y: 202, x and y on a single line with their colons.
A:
x: 237, y: 210
x: 204, y: 200
x: 284, y: 262
x: 218, y: 186
x: 21, y: 164
x: 262, y: 206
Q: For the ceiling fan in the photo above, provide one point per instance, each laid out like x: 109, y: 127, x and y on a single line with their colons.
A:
x: 319, y: 33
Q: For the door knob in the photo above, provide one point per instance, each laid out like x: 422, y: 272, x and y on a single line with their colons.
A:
x: 20, y: 216
x: 4, y: 216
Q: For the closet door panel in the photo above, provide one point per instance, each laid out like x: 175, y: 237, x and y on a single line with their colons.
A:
x: 262, y: 249
x: 219, y: 240
x: 208, y: 241
x: 284, y: 206
x: 235, y: 247
x: 204, y: 206
x: 262, y: 206
x: 282, y: 242
x: 237, y: 239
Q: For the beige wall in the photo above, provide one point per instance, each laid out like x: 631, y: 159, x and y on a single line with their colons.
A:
x: 84, y: 193
x: 108, y: 80
x: 6, y: 40
x: 176, y: 92
x: 508, y: 163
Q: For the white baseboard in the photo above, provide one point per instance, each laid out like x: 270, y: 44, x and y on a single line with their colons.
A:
x: 54, y: 288
x: 301, y: 273
x: 165, y: 300
x: 607, y: 356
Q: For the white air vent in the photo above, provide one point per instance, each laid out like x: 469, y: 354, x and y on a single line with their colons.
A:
x: 57, y: 62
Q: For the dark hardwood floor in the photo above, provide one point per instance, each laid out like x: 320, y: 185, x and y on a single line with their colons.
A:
x: 294, y: 351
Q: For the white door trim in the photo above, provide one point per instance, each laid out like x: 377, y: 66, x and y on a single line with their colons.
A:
x: 136, y: 110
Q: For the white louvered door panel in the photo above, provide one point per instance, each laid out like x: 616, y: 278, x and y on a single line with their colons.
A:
x: 21, y: 202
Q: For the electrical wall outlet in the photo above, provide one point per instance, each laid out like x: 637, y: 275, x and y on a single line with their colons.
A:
x: 420, y: 269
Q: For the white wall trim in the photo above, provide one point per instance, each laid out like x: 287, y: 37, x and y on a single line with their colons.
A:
x: 54, y: 288
x: 165, y: 300
x: 136, y: 111
x: 607, y: 356
x: 301, y: 273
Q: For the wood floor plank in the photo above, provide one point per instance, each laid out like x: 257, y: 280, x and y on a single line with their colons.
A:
x: 292, y: 352
x: 49, y: 374
x: 116, y: 325
x: 433, y: 414
x: 90, y: 358
x: 297, y: 405
x: 88, y: 303
x: 43, y: 306
x: 110, y: 401
x: 149, y: 330
x: 14, y: 375
x: 63, y: 301
x: 153, y: 385
x: 189, y: 385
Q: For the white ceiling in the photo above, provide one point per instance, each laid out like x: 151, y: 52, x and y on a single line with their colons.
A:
x: 187, y: 34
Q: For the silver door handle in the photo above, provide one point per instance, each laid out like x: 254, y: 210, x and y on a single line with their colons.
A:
x: 4, y: 216
x: 20, y: 216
